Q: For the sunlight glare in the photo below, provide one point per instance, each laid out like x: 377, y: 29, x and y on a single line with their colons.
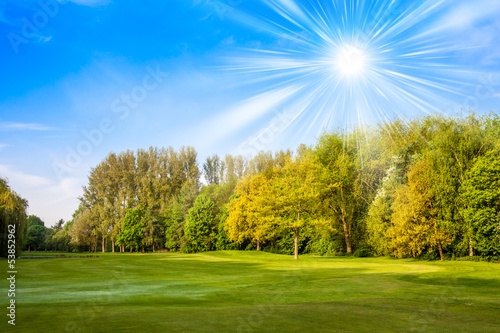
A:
x: 351, y: 61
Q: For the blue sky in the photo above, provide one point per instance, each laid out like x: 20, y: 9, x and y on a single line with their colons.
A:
x: 228, y: 76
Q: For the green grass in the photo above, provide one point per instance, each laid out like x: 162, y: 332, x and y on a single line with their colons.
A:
x: 253, y: 292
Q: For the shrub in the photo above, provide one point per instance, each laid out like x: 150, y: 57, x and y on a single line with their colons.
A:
x: 362, y: 251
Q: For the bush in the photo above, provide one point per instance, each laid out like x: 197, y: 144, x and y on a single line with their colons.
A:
x: 362, y: 251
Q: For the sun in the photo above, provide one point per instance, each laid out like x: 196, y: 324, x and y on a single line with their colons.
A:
x: 351, y: 61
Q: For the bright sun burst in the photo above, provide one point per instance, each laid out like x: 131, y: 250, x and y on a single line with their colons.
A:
x: 347, y: 63
x: 351, y: 61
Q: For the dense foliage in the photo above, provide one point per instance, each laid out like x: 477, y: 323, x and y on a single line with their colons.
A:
x: 427, y: 188
x: 12, y: 219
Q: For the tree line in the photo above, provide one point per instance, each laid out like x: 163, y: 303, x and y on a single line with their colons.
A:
x: 427, y: 187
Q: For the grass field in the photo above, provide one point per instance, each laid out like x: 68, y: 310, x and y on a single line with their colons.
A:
x: 253, y: 292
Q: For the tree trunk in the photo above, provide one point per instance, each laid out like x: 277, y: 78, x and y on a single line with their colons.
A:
x: 296, y: 241
x: 347, y: 236
x: 113, y: 244
x: 471, y: 249
x: 131, y: 249
x: 153, y: 247
x: 440, y: 251
x: 258, y: 245
x: 296, y: 238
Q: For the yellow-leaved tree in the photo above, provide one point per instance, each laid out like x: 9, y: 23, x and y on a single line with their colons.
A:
x: 414, y: 224
x: 291, y: 199
x: 245, y: 220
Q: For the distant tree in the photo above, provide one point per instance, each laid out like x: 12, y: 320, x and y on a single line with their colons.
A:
x: 36, y: 237
x: 212, y: 169
x: 83, y: 230
x: 59, y: 225
x: 61, y: 241
x: 35, y: 220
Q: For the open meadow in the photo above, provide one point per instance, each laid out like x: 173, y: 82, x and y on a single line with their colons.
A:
x: 232, y: 291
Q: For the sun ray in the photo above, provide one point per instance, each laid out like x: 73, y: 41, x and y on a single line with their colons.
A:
x: 359, y: 61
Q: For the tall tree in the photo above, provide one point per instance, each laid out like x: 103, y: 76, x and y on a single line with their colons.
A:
x: 212, y: 169
x: 291, y: 199
x: 83, y: 231
x: 415, y: 223
x: 244, y: 219
x: 343, y: 187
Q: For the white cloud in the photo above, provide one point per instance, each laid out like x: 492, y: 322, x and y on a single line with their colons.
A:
x: 12, y: 126
x: 22, y: 178
x: 466, y: 14
x: 48, y: 199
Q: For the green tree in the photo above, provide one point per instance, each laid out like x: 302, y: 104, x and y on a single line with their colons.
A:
x: 12, y: 217
x: 343, y: 187
x: 481, y: 192
x: 36, y: 237
x: 175, y: 217
x: 291, y: 199
x: 200, y: 228
x: 34, y: 220
x: 213, y: 169
x: 83, y: 230
x: 133, y: 231
x: 223, y: 240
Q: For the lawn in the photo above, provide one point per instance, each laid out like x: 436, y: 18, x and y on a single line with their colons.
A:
x: 253, y: 292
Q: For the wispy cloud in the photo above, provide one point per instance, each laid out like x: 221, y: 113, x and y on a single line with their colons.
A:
x: 466, y: 14
x: 48, y: 199
x: 22, y: 178
x: 12, y: 126
x: 2, y: 146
